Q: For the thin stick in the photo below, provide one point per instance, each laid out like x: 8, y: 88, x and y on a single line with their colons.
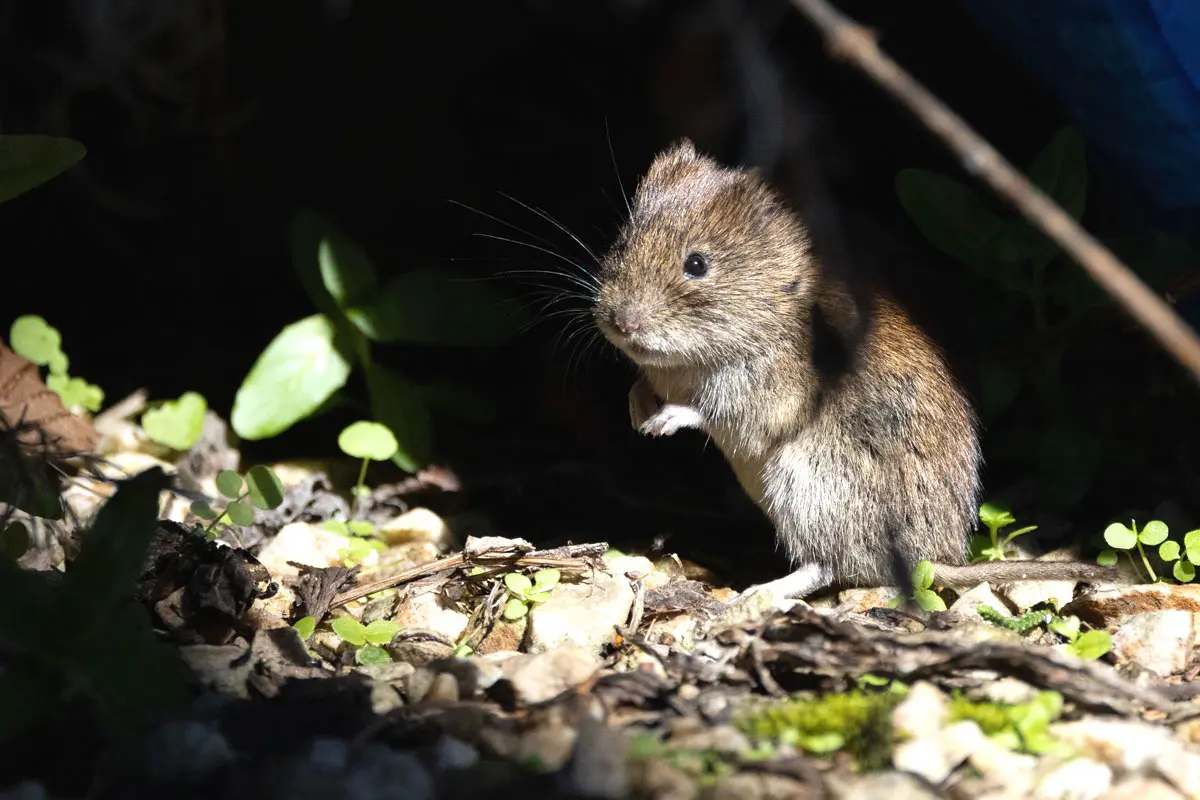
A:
x: 850, y: 41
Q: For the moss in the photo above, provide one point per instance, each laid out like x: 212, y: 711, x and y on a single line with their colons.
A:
x: 1019, y: 726
x: 857, y: 721
x: 1022, y: 624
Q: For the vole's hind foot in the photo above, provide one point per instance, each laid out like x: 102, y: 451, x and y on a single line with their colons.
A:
x: 652, y: 419
x: 796, y: 585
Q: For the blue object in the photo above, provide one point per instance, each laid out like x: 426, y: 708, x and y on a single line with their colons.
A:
x: 1126, y: 71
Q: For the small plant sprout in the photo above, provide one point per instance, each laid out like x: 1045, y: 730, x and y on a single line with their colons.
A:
x: 261, y: 487
x: 1183, y: 560
x: 369, y: 441
x: 176, y: 424
x: 525, y: 593
x: 1152, y: 534
x: 33, y: 338
x: 368, y: 639
x: 922, y: 580
x: 995, y: 518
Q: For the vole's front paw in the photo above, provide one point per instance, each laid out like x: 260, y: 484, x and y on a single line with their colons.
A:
x: 671, y: 418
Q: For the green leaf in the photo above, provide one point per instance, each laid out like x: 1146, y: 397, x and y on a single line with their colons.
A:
x: 360, y: 527
x: 515, y: 608
x: 995, y: 516
x: 1154, y: 533
x: 336, y: 526
x: 1060, y: 170
x: 819, y: 743
x: 462, y: 651
x: 1067, y: 627
x: 229, y: 483
x: 59, y: 363
x: 1184, y: 571
x: 1193, y: 555
x: 929, y: 600
x: 1169, y: 551
x: 518, y: 584
x: 1118, y: 537
x: 1107, y: 558
x: 301, y: 367
x: 922, y: 575
x: 33, y: 338
x: 1091, y: 645
x: 203, y: 510
x: 953, y: 218
x: 305, y: 627
x: 346, y: 271
x: 14, y: 541
x: 368, y: 440
x: 307, y: 232
x: 351, y: 630
x: 76, y: 392
x: 381, y: 631
x: 30, y: 160
x: 398, y: 404
x: 546, y: 579
x: 371, y: 656
x: 176, y: 423
x: 1008, y: 537
x: 440, y: 307
x: 266, y: 490
x: 1191, y: 540
x: 240, y: 513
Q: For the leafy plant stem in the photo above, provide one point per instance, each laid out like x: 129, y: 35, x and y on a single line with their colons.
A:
x: 224, y: 515
x: 362, y: 481
x: 1146, y: 561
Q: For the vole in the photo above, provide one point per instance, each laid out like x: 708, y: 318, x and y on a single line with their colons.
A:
x: 846, y: 428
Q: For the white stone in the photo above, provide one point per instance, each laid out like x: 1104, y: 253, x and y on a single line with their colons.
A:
x: 1077, y: 779
x: 418, y: 525
x: 922, y: 713
x: 581, y: 613
x: 306, y: 544
x: 1160, y: 641
x: 1027, y: 594
x: 536, y: 678
x: 427, y: 611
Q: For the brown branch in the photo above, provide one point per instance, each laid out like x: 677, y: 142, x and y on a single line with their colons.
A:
x: 570, y: 559
x: 850, y: 41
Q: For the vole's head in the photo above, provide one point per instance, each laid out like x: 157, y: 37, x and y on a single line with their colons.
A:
x: 711, y: 267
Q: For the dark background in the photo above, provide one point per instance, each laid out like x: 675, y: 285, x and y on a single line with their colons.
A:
x: 163, y: 258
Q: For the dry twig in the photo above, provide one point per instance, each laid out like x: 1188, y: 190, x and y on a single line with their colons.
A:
x: 852, y: 42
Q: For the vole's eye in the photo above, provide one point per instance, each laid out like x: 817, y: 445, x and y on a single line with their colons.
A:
x: 695, y: 266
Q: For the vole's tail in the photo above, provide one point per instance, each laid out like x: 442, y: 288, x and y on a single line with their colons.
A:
x: 1009, y: 571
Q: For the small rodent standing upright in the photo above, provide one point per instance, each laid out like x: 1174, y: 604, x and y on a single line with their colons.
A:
x: 711, y: 288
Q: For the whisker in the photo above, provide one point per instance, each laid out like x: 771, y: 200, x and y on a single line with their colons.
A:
x: 616, y: 170
x: 531, y: 246
x: 555, y: 223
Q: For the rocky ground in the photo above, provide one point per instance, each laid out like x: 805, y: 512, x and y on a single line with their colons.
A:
x: 432, y: 659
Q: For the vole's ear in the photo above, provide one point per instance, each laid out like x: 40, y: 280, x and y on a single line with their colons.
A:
x: 682, y: 150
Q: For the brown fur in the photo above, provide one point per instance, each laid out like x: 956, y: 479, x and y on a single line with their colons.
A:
x: 872, y: 455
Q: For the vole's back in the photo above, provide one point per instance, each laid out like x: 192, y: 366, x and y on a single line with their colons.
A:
x: 890, y: 450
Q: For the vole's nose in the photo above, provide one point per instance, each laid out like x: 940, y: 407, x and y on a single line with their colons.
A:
x: 626, y: 320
